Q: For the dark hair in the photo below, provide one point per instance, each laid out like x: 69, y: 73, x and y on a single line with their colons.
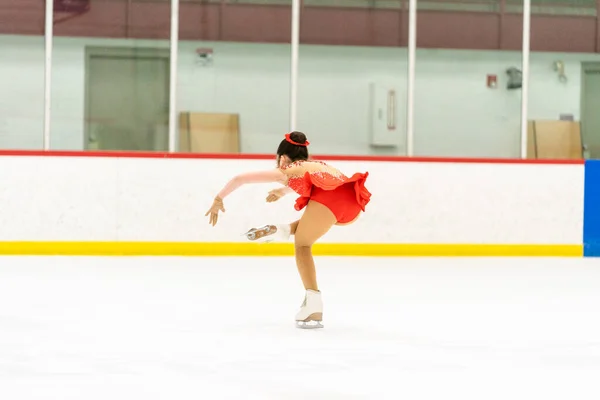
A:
x: 294, y: 152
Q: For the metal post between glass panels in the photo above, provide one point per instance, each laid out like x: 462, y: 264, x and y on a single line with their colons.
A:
x: 48, y: 36
x: 295, y: 44
x: 525, y: 75
x: 410, y: 92
x: 173, y: 75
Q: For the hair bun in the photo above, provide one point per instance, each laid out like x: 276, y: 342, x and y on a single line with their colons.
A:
x: 298, y: 137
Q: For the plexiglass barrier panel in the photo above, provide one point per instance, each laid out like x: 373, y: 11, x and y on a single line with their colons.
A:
x: 22, y: 74
x: 110, y: 76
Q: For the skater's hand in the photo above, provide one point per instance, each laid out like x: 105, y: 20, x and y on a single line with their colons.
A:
x: 214, y: 211
x: 275, y: 195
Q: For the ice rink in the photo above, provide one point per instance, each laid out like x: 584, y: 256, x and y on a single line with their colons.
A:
x: 222, y: 328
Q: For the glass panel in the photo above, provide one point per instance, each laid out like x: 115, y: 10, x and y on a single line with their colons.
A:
x: 467, y: 90
x: 564, y: 94
x: 22, y: 74
x: 233, y: 76
x: 110, y: 75
x: 353, y: 77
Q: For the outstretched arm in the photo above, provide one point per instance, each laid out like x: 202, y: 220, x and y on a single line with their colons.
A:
x: 274, y: 175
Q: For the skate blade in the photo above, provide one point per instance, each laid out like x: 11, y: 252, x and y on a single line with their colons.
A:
x: 264, y: 239
x: 309, y: 324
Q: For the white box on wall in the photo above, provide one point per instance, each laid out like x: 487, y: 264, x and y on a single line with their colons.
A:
x: 385, y: 116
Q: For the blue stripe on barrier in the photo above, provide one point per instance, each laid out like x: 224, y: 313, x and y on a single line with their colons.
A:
x: 591, y: 209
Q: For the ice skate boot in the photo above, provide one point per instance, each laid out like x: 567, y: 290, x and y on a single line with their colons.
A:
x: 268, y: 233
x: 310, y: 315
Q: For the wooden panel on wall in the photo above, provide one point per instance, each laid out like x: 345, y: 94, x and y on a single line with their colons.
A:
x: 149, y: 20
x: 454, y: 30
x: 255, y: 23
x: 22, y: 17
x: 353, y: 27
x: 199, y: 21
x: 511, y: 36
x: 267, y: 23
x: 104, y: 19
x: 209, y: 133
x: 554, y: 140
x: 563, y: 33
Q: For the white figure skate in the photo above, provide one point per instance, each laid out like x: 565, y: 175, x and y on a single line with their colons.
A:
x: 269, y: 233
x: 310, y: 315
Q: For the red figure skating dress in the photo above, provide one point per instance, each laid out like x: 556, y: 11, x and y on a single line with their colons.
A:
x: 345, y: 196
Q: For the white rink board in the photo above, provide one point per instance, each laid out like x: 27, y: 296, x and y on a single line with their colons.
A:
x: 149, y: 199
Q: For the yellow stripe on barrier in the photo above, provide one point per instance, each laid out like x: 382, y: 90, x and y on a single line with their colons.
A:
x: 284, y: 249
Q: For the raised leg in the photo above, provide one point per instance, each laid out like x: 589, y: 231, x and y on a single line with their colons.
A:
x: 294, y: 226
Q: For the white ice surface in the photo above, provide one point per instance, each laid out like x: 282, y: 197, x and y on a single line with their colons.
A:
x: 222, y: 328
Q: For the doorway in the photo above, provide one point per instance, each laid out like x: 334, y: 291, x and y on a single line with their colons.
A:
x: 590, y: 104
x: 127, y: 99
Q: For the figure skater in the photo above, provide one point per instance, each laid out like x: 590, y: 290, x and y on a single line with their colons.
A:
x: 330, y: 198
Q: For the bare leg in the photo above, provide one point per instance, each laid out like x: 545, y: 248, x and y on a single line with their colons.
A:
x: 315, y: 222
x: 293, y: 227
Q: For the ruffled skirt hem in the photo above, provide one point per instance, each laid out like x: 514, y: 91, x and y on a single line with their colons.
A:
x: 363, y: 196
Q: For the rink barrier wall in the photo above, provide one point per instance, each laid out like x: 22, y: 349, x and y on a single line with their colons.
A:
x: 117, y: 203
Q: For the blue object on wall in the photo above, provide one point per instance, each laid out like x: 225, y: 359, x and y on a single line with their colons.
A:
x: 591, y: 209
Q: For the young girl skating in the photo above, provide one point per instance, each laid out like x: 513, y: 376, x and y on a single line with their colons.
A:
x: 330, y: 198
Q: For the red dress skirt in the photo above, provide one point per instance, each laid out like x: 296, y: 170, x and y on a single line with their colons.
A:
x: 345, y: 197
